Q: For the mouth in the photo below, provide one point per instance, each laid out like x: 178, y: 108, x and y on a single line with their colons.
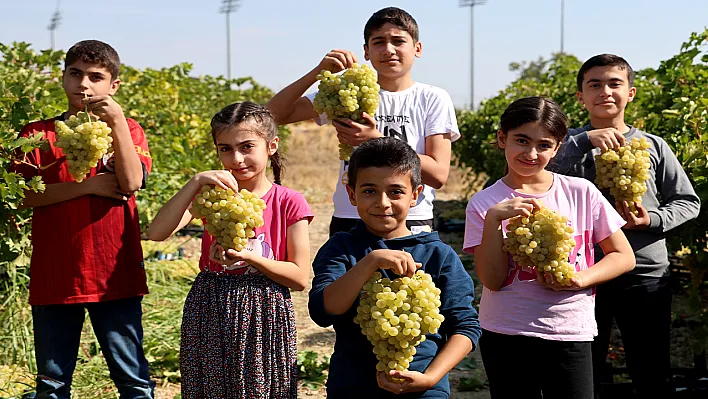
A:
x: 606, y: 103
x: 383, y: 216
x: 528, y: 163
x: 240, y: 170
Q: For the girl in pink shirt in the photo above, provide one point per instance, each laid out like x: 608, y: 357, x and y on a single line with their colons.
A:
x: 238, y: 328
x: 537, y: 335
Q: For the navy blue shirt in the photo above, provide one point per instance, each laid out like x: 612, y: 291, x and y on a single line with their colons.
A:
x: 352, y: 370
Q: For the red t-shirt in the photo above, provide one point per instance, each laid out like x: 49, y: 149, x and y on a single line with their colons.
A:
x: 86, y: 249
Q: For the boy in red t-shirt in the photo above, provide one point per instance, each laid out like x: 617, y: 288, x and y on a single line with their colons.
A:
x: 86, y: 237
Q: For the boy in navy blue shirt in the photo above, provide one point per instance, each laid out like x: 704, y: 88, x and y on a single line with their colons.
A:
x: 384, y: 183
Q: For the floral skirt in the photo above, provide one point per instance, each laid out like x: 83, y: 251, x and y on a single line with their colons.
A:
x: 238, y: 339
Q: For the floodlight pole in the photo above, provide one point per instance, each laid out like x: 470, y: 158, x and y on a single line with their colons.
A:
x: 471, y: 4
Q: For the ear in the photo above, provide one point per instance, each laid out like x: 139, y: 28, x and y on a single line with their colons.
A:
x: 580, y: 98
x: 418, y: 49
x: 416, y: 193
x: 351, y: 194
x: 366, y: 52
x: 114, y: 87
x: 632, y: 94
x: 273, y: 146
x: 501, y: 139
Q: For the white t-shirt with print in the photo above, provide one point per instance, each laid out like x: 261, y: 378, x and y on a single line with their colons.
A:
x: 410, y: 115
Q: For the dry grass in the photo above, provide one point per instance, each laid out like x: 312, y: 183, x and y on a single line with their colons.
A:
x: 313, y: 166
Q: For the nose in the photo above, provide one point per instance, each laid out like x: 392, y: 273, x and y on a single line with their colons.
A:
x: 238, y: 157
x: 532, y: 153
x: 607, y: 90
x: 390, y: 48
x: 85, y: 81
x: 384, y: 201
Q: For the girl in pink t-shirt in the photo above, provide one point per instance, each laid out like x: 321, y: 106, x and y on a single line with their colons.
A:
x: 537, y: 335
x: 238, y: 328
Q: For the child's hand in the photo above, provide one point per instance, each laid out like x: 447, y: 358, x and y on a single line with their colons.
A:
x: 337, y: 60
x: 546, y: 280
x: 399, y: 262
x: 514, y: 207
x: 106, y: 185
x: 105, y: 108
x: 229, y: 257
x: 219, y: 178
x: 634, y: 222
x: 413, y: 381
x: 606, y: 138
x: 353, y: 133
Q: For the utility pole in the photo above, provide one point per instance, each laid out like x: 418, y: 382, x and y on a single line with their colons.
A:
x: 471, y: 4
x: 562, y: 23
x: 228, y: 7
x: 54, y: 23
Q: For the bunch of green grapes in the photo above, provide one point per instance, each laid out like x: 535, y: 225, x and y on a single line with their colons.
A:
x: 347, y: 95
x: 543, y: 240
x: 625, y: 171
x: 231, y: 218
x: 396, y: 315
x: 85, y: 141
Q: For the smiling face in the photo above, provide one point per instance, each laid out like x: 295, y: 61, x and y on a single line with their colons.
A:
x: 382, y: 199
x: 606, y: 92
x: 392, y: 51
x: 92, y: 79
x: 527, y: 149
x: 244, y: 152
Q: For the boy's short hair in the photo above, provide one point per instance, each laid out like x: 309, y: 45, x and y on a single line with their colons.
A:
x: 394, y: 15
x: 385, y: 152
x: 94, y: 52
x: 605, y: 60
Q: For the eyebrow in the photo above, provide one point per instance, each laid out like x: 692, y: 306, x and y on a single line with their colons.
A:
x: 524, y: 136
x: 392, y: 36
x: 599, y: 80
x: 236, y: 145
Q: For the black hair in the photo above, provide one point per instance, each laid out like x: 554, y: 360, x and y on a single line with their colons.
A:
x: 541, y: 110
x: 94, y: 52
x: 605, y: 60
x: 384, y: 152
x: 247, y: 111
x: 394, y: 15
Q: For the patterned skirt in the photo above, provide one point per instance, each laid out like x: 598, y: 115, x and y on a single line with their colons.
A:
x: 238, y: 339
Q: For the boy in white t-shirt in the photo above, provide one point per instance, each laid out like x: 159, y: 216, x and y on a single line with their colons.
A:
x: 419, y: 114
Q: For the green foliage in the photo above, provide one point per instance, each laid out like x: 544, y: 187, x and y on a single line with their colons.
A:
x: 311, y: 370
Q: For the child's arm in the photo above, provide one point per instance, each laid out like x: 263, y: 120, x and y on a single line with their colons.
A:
x: 293, y: 273
x: 618, y: 259
x: 574, y: 148
x: 175, y: 213
x: 103, y: 184
x: 128, y: 167
x: 435, y: 163
x: 489, y: 258
x: 340, y: 295
x: 289, y: 106
x: 334, y: 289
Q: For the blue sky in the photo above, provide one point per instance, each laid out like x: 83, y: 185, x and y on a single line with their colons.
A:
x: 277, y: 41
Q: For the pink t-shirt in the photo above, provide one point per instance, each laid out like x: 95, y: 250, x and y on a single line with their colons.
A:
x: 284, y: 207
x: 523, y: 306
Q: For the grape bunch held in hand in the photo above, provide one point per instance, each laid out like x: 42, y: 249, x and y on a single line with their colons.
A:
x: 543, y: 240
x: 231, y: 218
x: 346, y: 96
x: 85, y: 140
x: 395, y: 316
x: 625, y: 171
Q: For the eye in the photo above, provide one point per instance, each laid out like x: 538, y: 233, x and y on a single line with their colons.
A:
x: 522, y: 141
x: 96, y: 78
x: 368, y: 191
x: 224, y: 149
x: 397, y: 192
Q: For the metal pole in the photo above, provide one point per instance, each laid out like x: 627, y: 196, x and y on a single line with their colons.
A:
x: 562, y: 23
x: 472, y: 56
x: 228, y: 46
